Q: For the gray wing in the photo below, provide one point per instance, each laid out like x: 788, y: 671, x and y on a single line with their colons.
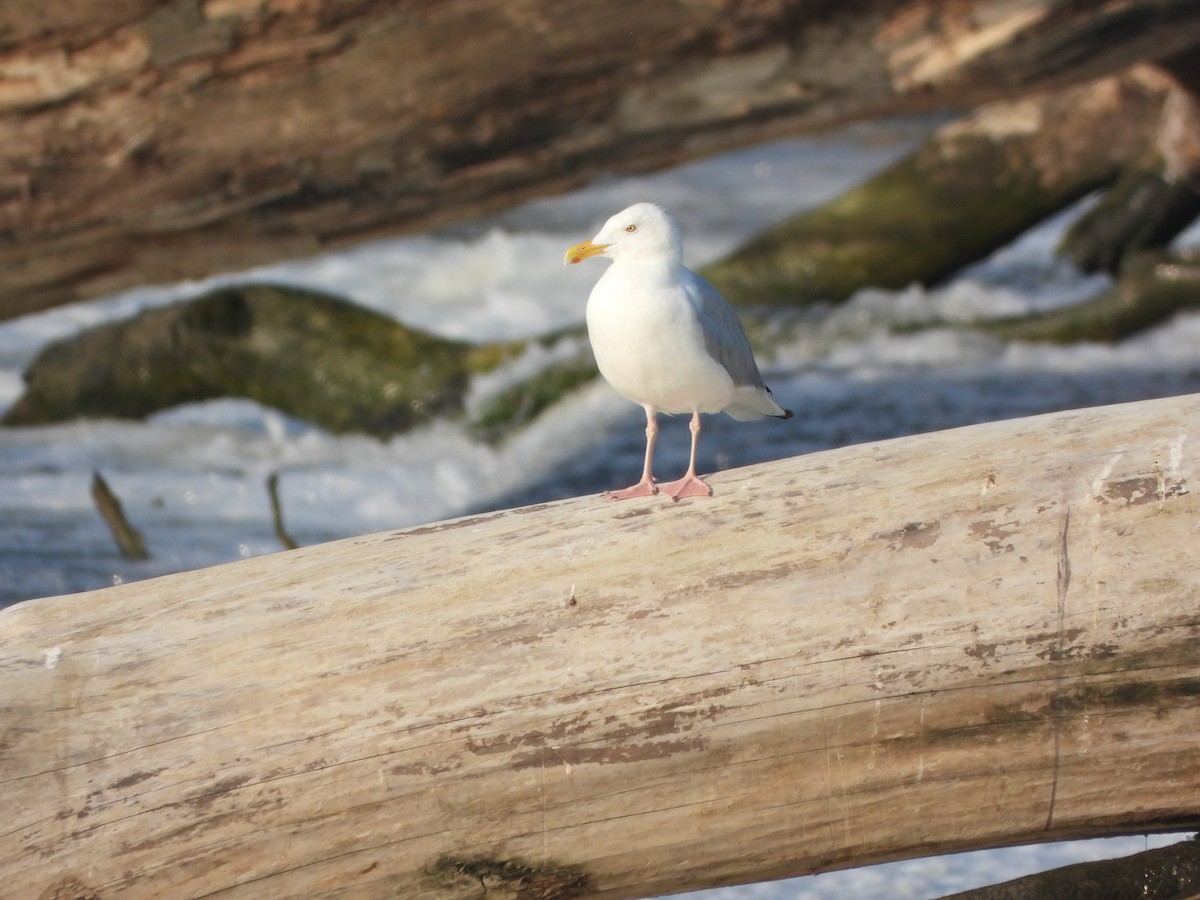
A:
x: 724, y: 338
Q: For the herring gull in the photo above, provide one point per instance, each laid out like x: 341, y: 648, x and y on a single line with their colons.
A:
x: 664, y: 338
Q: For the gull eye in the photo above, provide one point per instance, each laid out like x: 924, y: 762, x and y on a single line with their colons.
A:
x: 631, y: 228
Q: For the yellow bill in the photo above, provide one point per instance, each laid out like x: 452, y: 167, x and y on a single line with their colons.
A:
x: 580, y: 252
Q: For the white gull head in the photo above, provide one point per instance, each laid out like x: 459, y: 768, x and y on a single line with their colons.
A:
x: 644, y: 231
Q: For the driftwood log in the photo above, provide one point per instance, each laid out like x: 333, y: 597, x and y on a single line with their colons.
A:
x: 144, y: 142
x: 959, y: 640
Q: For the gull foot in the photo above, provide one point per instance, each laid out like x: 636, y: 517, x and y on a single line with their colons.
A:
x: 643, y: 488
x: 687, y: 486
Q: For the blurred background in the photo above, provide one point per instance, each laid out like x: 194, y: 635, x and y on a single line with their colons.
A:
x: 314, y: 250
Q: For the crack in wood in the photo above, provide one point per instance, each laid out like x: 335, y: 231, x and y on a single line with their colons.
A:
x: 1063, y: 582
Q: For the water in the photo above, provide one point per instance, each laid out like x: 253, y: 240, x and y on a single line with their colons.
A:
x: 193, y: 479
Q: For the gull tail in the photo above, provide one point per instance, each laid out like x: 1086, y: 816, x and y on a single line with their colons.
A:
x: 756, y: 403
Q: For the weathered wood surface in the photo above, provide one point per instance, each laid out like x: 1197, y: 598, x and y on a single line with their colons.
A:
x: 145, y: 141
x: 958, y: 640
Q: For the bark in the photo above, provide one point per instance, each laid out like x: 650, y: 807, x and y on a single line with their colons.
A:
x: 974, y: 638
x: 148, y: 141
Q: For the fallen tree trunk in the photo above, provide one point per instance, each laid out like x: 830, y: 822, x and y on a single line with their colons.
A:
x: 147, y: 142
x: 978, y: 637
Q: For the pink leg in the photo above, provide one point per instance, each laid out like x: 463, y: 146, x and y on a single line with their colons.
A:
x: 646, y: 486
x: 690, y: 485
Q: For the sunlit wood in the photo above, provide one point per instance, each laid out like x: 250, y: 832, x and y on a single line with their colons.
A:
x: 959, y: 640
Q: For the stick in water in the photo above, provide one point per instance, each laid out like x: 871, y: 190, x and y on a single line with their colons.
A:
x: 129, y: 539
x: 277, y: 513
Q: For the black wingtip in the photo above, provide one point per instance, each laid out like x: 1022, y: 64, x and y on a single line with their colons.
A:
x: 787, y: 413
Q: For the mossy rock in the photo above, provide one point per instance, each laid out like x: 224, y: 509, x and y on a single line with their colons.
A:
x: 524, y: 401
x: 311, y: 355
x: 918, y: 221
x: 970, y: 189
x: 1153, y: 287
x: 308, y: 354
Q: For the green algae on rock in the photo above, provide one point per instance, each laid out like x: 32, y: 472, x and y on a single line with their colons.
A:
x: 970, y: 189
x: 310, y: 355
x: 307, y: 354
x: 1152, y: 288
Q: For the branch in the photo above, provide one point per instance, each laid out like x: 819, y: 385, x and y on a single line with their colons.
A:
x: 129, y: 540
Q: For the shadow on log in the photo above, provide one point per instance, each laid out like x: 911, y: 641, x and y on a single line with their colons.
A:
x: 839, y: 659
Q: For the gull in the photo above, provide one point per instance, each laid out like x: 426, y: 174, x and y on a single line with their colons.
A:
x: 665, y: 338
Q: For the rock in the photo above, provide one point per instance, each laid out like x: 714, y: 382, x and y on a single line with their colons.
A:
x: 307, y: 354
x: 1152, y: 288
x: 969, y: 190
x: 313, y: 356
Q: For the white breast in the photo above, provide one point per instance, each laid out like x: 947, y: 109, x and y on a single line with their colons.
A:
x: 648, y: 341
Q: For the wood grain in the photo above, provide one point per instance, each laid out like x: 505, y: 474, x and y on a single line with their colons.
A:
x: 978, y: 637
